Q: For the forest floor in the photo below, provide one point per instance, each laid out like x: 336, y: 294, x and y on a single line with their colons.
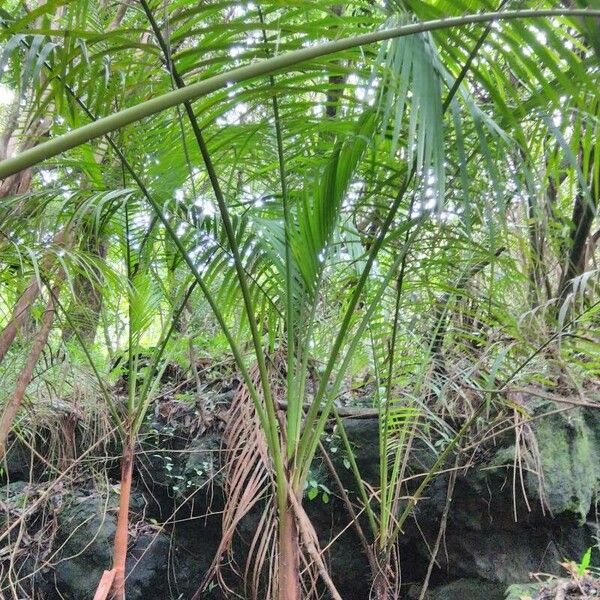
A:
x: 576, y: 588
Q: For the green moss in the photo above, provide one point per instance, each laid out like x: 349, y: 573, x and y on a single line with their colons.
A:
x: 522, y: 591
x: 570, y: 456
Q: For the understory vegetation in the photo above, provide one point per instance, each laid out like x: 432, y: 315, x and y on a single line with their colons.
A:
x: 290, y: 272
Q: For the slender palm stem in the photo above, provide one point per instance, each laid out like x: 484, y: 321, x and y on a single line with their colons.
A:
x: 294, y: 415
x: 314, y: 422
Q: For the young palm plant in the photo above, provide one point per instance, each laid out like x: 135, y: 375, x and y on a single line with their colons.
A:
x: 283, y: 253
x: 143, y: 373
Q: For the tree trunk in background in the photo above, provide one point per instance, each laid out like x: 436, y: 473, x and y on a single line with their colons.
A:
x: 119, y: 15
x: 20, y: 316
x: 14, y: 403
x: 584, y: 212
x: 22, y: 308
x: 289, y: 557
x: 335, y: 81
x: 583, y: 216
x: 20, y: 182
x: 538, y: 281
x: 85, y: 308
x: 7, y: 142
x: 122, y: 531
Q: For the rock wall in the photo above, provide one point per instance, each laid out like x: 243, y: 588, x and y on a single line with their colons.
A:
x: 501, y: 527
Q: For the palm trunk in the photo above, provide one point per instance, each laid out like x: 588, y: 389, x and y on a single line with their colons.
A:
x: 381, y: 587
x: 121, y: 534
x: 584, y: 212
x: 289, y: 556
x: 382, y: 582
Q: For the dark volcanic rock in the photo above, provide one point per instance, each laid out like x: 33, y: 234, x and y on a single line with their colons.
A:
x: 502, y: 531
x: 467, y: 589
x: 485, y: 549
x: 157, y: 565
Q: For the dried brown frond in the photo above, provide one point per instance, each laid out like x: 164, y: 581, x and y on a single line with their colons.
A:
x: 250, y: 488
x: 249, y: 482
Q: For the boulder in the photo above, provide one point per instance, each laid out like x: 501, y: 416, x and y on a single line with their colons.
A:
x: 569, y: 450
x: 501, y: 531
x: 157, y: 567
x: 485, y: 549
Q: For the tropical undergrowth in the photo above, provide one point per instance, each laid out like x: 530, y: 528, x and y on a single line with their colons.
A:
x: 415, y: 218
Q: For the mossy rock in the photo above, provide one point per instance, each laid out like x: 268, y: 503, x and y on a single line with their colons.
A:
x: 86, y: 533
x: 569, y: 447
x: 522, y: 591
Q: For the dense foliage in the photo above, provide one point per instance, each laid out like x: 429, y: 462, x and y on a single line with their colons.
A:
x: 415, y: 217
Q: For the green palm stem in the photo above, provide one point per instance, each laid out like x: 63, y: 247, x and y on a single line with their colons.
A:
x: 294, y: 400
x: 383, y: 418
x: 83, y: 134
x: 305, y: 344
x: 132, y: 344
x: 272, y: 425
x: 311, y: 434
x: 386, y: 504
x: 362, y: 490
x: 314, y: 424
